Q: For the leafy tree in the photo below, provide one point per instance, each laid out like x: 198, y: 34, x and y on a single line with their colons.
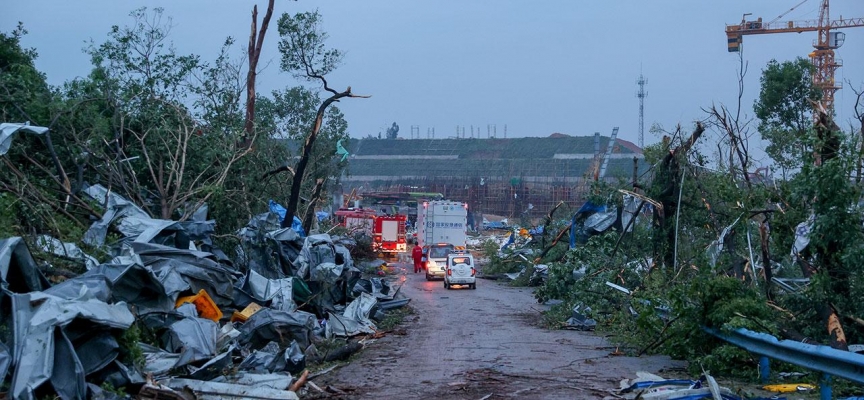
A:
x: 305, y: 56
x: 181, y: 157
x: 785, y: 111
x: 393, y: 131
x: 24, y: 93
x: 38, y: 188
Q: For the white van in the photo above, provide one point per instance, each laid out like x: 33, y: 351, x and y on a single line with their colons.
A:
x: 459, y: 270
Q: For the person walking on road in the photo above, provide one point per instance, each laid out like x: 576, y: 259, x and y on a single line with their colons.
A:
x: 417, y: 255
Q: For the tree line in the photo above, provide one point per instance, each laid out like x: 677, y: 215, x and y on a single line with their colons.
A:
x: 171, y: 131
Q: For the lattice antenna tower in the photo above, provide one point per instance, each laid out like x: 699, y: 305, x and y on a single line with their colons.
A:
x: 641, y: 94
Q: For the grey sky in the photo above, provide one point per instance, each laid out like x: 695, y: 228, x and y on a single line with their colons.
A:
x: 538, y: 67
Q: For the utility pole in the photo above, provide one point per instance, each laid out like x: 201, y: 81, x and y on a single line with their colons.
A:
x: 641, y: 94
x: 415, y: 131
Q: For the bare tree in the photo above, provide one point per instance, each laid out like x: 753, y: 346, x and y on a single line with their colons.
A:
x: 256, y: 41
x: 169, y: 172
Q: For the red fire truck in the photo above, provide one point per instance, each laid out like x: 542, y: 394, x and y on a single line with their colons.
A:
x: 388, y: 234
x: 387, y: 231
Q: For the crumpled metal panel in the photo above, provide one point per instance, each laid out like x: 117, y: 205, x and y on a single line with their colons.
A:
x: 227, y: 391
x: 317, y: 249
x: 18, y: 269
x: 36, y: 317
x: 269, y: 325
x: 602, y: 221
x: 355, y: 319
x: 9, y: 129
x: 326, y: 272
x: 68, y: 250
x: 96, y: 351
x: 198, y: 269
x: 280, y: 291
x: 117, y: 207
x: 157, y: 361
x: 193, y: 338
x: 143, y: 287
x: 280, y: 381
x: 67, y: 375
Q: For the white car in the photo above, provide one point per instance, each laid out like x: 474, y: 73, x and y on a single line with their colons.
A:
x: 459, y: 270
x: 436, y: 260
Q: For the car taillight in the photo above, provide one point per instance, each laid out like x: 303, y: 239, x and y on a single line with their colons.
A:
x: 473, y: 271
x: 449, y: 272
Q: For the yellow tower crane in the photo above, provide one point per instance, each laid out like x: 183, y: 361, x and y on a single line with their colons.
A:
x: 822, y: 57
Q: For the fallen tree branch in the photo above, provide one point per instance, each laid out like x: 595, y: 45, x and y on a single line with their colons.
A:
x: 554, y: 242
x: 659, y: 339
x: 300, y: 381
x: 325, y: 371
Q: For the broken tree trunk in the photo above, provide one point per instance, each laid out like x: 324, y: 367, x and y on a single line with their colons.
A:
x: 300, y: 169
x: 256, y: 40
x: 310, y: 209
x: 343, y: 352
x: 829, y: 253
x: 766, y: 257
x: 669, y: 179
x: 549, y: 221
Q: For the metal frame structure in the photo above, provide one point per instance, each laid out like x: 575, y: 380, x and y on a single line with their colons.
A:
x: 829, y: 361
x: 822, y: 57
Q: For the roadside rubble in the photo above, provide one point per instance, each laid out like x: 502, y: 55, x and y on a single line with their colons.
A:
x: 171, y: 316
x: 649, y: 386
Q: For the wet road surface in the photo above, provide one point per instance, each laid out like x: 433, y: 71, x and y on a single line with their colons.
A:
x: 464, y: 344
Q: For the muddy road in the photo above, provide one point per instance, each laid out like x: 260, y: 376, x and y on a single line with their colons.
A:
x: 467, y: 344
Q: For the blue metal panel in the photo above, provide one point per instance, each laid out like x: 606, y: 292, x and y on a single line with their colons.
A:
x: 825, y: 359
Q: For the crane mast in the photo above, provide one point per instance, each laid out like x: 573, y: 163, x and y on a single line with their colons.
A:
x: 822, y: 57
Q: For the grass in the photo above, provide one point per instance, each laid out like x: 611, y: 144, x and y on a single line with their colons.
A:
x: 394, y: 318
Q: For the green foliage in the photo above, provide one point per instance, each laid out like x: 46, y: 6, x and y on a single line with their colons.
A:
x: 130, y: 351
x: 9, y: 225
x: 108, y: 387
x: 784, y: 109
x: 303, y: 49
x: 394, y: 317
x: 393, y: 131
x: 363, y: 250
x: 24, y: 93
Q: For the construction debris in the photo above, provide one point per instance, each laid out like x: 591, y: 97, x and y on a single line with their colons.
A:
x: 172, y: 306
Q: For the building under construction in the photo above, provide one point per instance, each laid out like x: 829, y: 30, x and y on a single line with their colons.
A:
x: 506, y: 177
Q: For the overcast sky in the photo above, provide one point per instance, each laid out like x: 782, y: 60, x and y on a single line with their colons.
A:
x: 538, y: 67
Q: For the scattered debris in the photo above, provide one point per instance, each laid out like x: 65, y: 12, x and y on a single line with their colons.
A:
x: 789, y: 387
x: 214, y: 328
x: 578, y: 321
x: 653, y: 387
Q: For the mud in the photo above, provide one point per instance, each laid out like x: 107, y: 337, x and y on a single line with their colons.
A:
x: 485, y: 343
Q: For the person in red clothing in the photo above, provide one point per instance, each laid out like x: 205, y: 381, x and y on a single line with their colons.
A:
x: 417, y: 255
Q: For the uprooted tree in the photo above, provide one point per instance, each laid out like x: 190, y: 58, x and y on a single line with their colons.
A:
x: 305, y: 56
